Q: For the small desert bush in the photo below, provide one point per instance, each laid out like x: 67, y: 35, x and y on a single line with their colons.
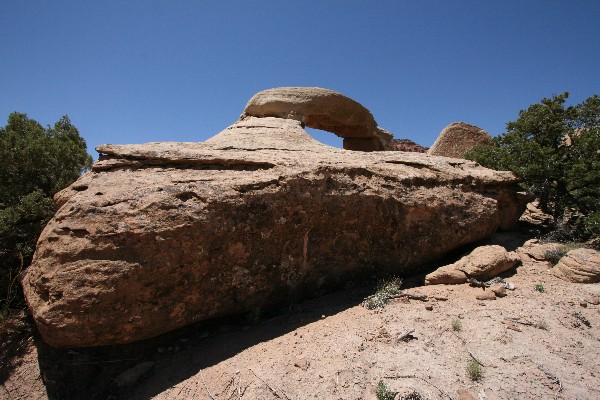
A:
x: 456, y: 325
x: 543, y: 325
x: 539, y: 288
x: 411, y: 396
x: 554, y: 255
x: 383, y: 392
x: 385, y: 290
x: 474, y: 370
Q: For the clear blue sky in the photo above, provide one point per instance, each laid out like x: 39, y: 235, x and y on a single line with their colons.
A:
x: 130, y: 71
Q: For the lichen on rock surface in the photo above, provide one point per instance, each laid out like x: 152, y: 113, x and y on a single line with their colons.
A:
x: 161, y: 235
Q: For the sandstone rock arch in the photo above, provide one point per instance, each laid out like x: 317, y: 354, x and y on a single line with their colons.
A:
x: 162, y: 235
x: 323, y: 109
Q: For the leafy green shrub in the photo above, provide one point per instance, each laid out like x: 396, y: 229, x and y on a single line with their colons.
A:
x: 383, y: 392
x: 554, y: 150
x: 385, y: 290
x: 35, y: 163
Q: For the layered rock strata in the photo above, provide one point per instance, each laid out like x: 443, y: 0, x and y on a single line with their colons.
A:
x: 579, y: 266
x: 161, y: 235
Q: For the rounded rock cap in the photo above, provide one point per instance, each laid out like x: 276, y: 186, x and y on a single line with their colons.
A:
x: 457, y: 139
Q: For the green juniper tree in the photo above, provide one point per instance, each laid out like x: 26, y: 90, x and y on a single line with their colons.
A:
x: 554, y: 149
x: 35, y: 163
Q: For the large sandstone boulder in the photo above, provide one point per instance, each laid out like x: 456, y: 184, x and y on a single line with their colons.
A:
x: 457, y: 139
x: 322, y: 109
x: 579, y: 266
x: 483, y: 263
x: 160, y: 235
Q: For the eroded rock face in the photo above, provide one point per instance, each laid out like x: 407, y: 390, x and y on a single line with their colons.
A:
x: 457, y: 139
x: 160, y: 235
x: 322, y: 109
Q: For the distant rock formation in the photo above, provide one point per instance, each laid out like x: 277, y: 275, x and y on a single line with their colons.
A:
x: 457, y: 139
x: 161, y: 235
x: 407, y: 145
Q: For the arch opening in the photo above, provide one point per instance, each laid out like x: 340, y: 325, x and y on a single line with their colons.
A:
x: 325, y: 137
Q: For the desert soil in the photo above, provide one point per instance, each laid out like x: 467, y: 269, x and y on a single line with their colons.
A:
x: 531, y: 344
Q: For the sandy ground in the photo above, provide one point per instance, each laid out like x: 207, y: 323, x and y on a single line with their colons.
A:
x: 531, y: 345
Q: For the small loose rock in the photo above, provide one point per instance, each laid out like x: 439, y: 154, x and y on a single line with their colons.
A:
x: 499, y: 290
x: 464, y: 394
x: 486, y: 295
x: 302, y: 363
